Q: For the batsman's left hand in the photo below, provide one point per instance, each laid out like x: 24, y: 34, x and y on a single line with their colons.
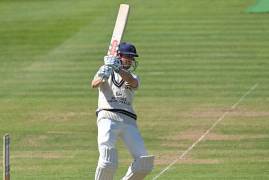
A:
x: 113, y: 62
x: 104, y: 72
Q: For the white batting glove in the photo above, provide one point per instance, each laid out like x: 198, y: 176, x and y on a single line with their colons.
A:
x: 104, y: 72
x: 113, y: 62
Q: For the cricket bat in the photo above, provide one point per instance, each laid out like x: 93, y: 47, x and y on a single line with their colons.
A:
x: 118, y: 29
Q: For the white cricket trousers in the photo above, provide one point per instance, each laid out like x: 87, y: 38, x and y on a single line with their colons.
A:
x: 109, y: 131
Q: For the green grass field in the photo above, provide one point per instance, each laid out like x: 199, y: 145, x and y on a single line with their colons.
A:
x: 197, y: 59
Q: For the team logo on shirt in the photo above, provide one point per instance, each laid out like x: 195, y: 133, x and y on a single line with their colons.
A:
x: 118, y: 93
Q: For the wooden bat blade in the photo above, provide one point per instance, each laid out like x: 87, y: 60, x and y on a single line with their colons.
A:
x: 118, y: 29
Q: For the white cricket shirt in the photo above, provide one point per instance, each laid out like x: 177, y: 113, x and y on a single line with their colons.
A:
x: 116, y: 98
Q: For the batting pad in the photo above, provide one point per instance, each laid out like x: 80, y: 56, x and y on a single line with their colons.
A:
x: 140, y: 168
x: 261, y: 6
x: 107, y: 164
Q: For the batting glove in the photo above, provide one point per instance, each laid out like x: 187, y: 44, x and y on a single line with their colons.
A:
x: 113, y: 62
x: 104, y: 72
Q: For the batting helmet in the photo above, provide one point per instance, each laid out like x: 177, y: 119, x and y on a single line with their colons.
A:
x: 127, y: 49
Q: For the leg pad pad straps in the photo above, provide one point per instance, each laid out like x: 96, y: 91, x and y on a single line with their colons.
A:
x: 107, y: 164
x: 140, y: 168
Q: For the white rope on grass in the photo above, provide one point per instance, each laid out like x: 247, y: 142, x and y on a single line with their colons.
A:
x: 207, y: 132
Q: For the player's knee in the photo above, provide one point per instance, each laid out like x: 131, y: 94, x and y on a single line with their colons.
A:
x: 108, y: 159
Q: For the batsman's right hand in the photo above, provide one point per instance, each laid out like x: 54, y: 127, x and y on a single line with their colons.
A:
x: 104, y: 72
x: 113, y: 62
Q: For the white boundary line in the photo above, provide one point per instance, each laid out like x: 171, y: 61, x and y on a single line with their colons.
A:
x: 207, y: 132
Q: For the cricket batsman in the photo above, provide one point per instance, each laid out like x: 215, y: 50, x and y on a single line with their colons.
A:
x: 116, y: 117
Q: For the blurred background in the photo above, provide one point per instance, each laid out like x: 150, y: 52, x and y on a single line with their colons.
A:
x: 197, y: 59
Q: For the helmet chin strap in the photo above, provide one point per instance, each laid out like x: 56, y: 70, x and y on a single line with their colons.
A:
x: 133, y: 66
x: 127, y: 67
